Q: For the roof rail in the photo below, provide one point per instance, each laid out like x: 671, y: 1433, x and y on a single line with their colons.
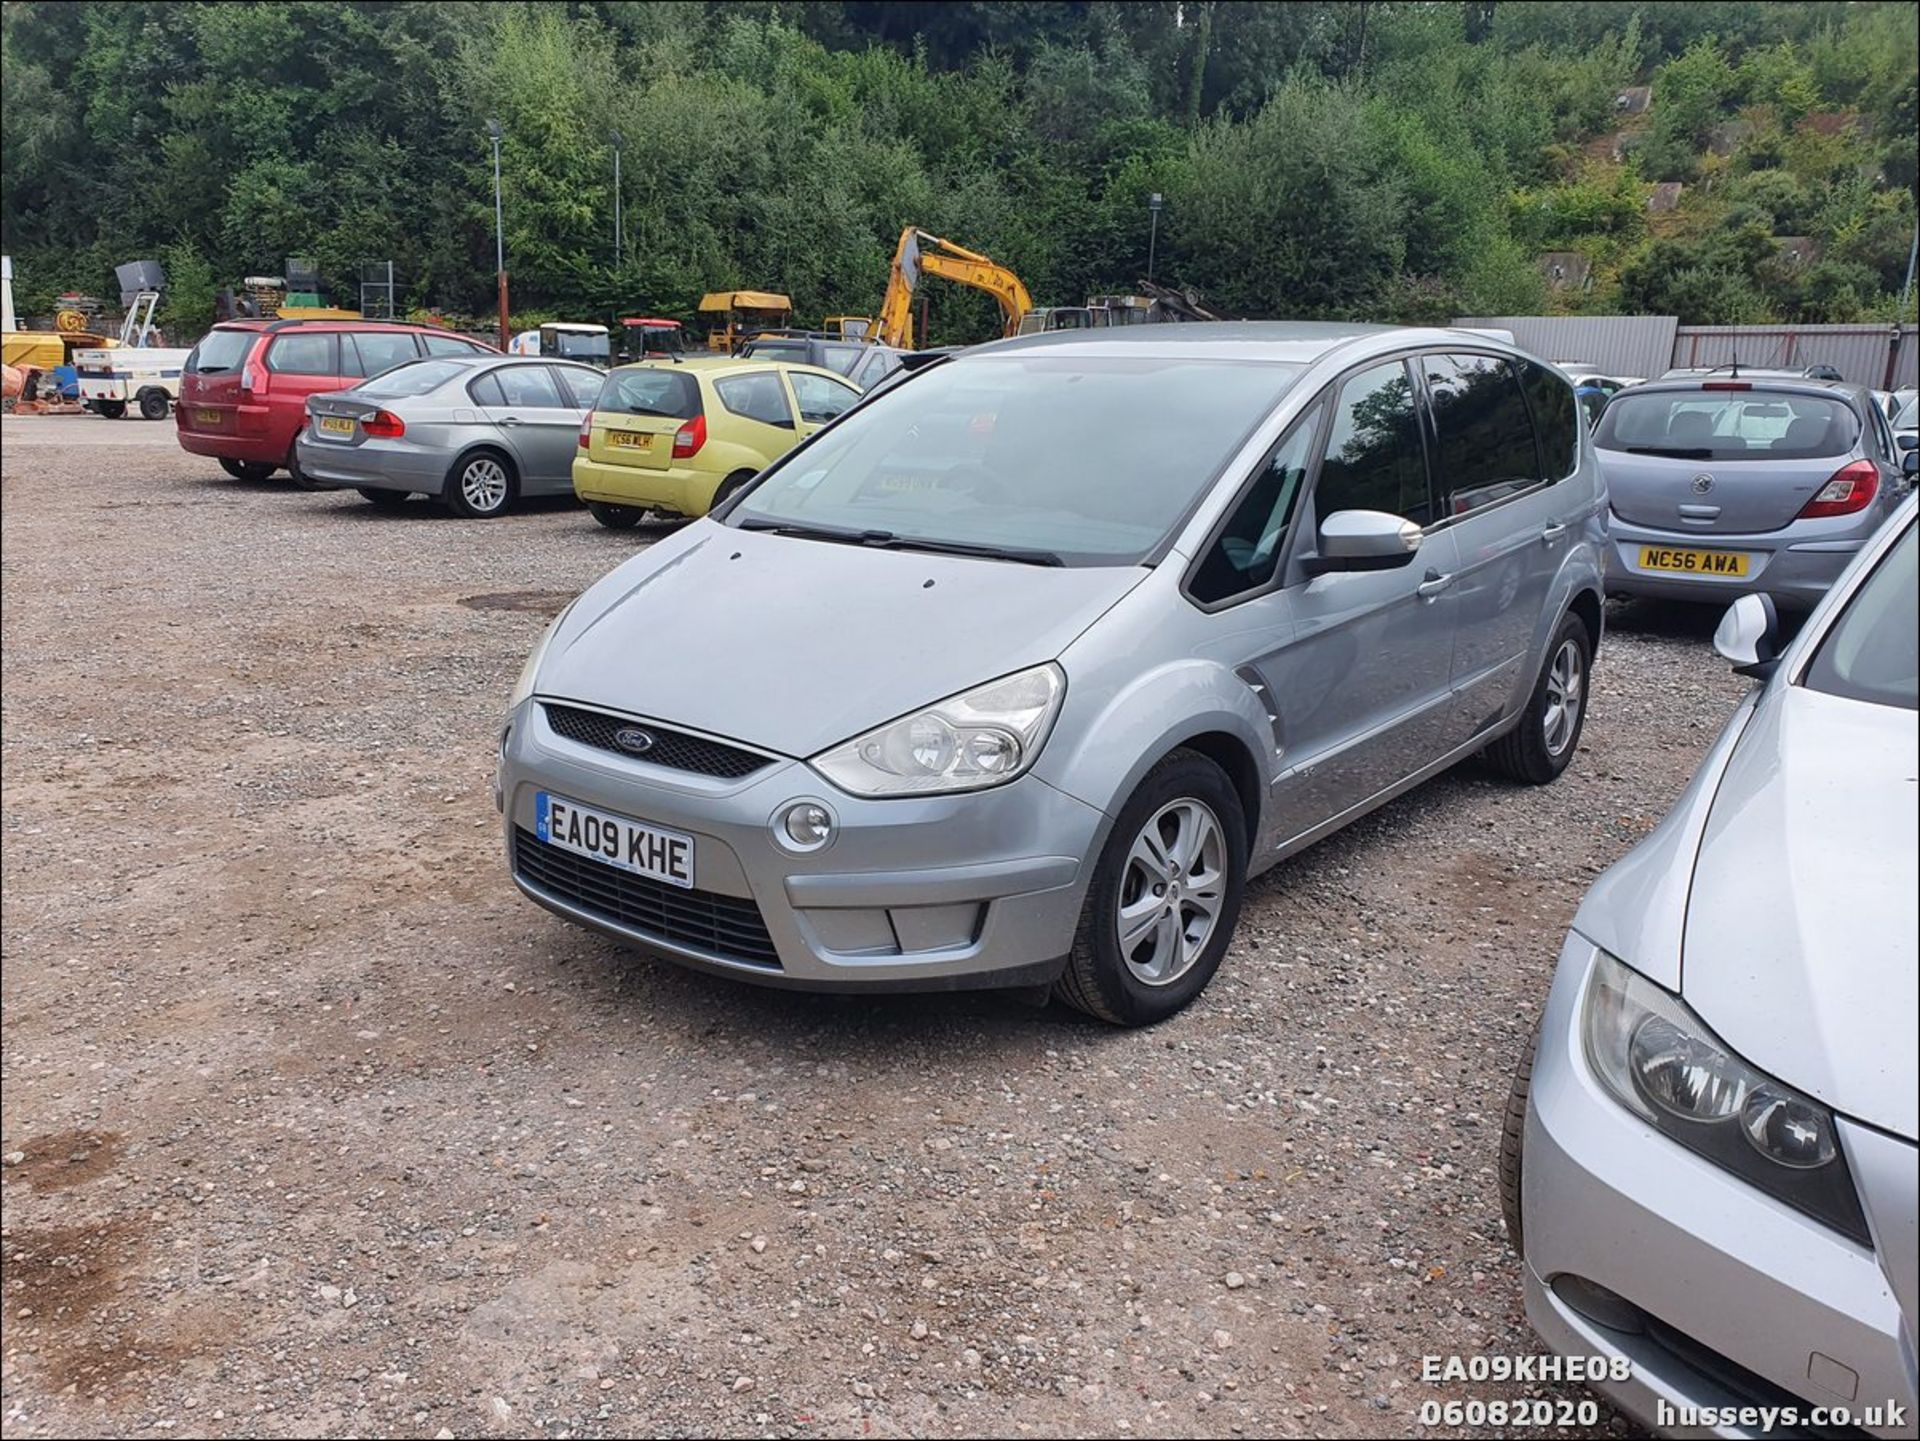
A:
x: 291, y: 321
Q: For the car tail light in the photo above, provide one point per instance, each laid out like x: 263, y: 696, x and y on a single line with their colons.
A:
x: 586, y: 430
x: 1727, y: 385
x: 1851, y: 489
x: 688, y: 439
x: 384, y: 425
x: 253, y: 379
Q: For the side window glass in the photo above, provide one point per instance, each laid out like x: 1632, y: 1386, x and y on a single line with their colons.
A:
x: 1486, y: 448
x: 821, y: 399
x: 529, y: 386
x: 1247, y: 553
x: 1374, y: 459
x: 757, y: 397
x: 485, y: 390
x: 376, y: 351
x: 302, y: 355
x: 447, y: 345
x: 581, y: 387
x: 1554, y: 422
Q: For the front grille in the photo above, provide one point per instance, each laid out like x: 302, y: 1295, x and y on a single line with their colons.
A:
x: 726, y: 926
x: 671, y: 748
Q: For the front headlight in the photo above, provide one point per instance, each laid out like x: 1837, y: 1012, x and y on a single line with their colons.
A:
x: 979, y: 738
x: 1662, y: 1063
x: 523, y: 687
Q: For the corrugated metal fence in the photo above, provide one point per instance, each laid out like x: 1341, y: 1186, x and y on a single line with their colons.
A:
x: 1877, y: 356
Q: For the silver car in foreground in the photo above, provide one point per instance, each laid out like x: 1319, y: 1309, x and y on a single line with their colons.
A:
x: 1709, y: 1162
x: 1014, y: 673
x: 474, y: 432
x: 1722, y: 487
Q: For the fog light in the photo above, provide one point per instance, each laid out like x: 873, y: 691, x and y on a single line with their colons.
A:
x: 804, y: 826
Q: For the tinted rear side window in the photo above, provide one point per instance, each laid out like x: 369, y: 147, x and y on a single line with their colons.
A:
x: 1555, y: 424
x: 1486, y: 451
x: 303, y: 355
x: 221, y: 351
x: 669, y: 394
x: 1728, y: 425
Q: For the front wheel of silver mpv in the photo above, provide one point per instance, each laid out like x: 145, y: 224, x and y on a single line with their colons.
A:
x: 1165, y: 896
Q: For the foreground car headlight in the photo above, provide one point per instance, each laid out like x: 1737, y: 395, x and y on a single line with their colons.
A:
x: 982, y: 737
x: 523, y: 687
x: 1662, y: 1063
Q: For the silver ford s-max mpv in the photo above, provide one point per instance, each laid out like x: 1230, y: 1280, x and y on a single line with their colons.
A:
x: 1015, y: 673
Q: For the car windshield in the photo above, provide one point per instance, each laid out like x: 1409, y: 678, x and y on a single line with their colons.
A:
x: 577, y: 345
x: 1909, y: 416
x: 221, y: 350
x: 1728, y: 425
x: 1088, y: 460
x: 414, y: 377
x: 1873, y: 651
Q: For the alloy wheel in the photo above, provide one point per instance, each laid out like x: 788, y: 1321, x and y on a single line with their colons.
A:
x: 1172, y: 891
x: 1566, y: 694
x: 483, y: 485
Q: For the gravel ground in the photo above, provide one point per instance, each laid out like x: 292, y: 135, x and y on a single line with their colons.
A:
x: 313, y: 1126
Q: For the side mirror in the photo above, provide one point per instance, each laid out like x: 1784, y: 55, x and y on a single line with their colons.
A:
x: 1907, y: 439
x: 1365, y: 540
x: 1910, y: 461
x: 1749, y: 636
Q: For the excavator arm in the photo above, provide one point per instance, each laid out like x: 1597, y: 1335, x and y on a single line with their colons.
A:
x: 920, y: 253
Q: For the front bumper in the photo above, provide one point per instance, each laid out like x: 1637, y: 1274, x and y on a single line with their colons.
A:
x: 1733, y: 1298
x: 685, y: 491
x: 1795, y: 566
x: 374, y: 465
x: 914, y: 893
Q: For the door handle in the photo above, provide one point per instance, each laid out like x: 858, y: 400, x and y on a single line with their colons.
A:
x: 1434, y: 584
x: 510, y: 420
x: 1554, y: 530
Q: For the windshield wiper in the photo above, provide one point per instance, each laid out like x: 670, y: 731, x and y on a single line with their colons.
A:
x: 1678, y: 453
x: 887, y: 540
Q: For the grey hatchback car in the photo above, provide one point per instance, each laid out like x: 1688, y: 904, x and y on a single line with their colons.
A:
x: 474, y: 432
x: 1723, y: 486
x: 1015, y: 673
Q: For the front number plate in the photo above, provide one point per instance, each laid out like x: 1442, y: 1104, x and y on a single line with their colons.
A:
x: 614, y: 840
x: 1693, y: 562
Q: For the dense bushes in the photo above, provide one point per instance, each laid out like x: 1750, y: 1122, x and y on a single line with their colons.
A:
x: 1382, y: 161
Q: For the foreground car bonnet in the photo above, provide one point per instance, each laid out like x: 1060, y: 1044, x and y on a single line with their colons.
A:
x: 1802, y: 930
x: 794, y: 645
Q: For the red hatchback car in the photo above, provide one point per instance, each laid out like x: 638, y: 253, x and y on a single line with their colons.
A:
x: 243, y: 392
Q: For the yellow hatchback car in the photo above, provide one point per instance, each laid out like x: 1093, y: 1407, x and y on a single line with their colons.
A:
x: 680, y: 436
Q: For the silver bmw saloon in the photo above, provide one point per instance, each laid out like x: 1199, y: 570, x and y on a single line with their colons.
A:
x: 1708, y: 1164
x: 1015, y: 673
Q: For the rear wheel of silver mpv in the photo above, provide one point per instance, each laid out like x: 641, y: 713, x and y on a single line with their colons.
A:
x: 1165, y: 896
x: 482, y: 486
x: 1540, y: 747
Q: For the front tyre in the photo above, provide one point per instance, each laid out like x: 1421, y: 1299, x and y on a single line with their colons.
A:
x: 1513, y: 1132
x: 1542, y: 744
x: 482, y: 486
x: 1165, y: 896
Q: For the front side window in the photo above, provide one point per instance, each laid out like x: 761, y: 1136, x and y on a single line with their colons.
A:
x: 1873, y: 651
x: 1092, y: 459
x: 757, y: 397
x: 1374, y: 459
x: 302, y: 355
x: 376, y: 351
x: 820, y: 399
x: 528, y: 386
x: 1247, y: 553
x: 1485, y: 449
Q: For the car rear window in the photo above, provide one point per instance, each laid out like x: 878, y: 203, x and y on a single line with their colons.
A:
x: 1728, y: 425
x: 671, y: 394
x: 220, y: 351
x: 1873, y: 651
x: 416, y: 377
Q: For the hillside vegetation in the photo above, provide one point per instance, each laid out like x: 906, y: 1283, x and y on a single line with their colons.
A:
x: 1380, y: 161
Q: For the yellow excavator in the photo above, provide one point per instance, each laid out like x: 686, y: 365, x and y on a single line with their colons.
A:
x: 920, y: 253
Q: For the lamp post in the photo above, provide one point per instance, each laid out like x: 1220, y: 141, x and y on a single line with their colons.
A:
x: 616, y: 199
x: 499, y: 232
x: 1154, y: 202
